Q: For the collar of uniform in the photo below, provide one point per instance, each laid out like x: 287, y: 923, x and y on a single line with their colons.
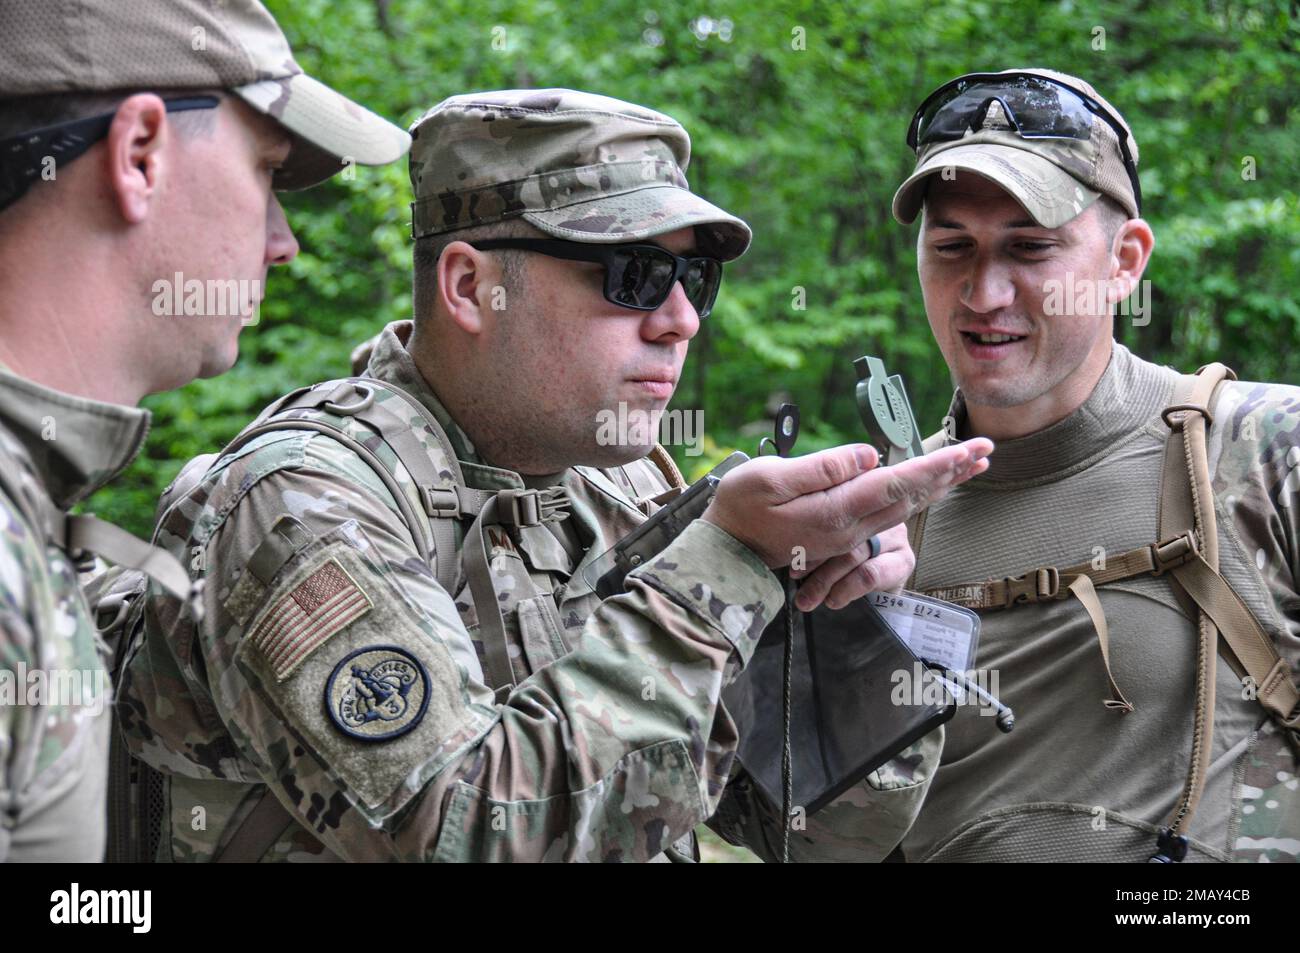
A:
x: 76, y: 444
x: 1130, y: 392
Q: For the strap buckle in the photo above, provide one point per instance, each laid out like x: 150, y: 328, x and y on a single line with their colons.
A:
x: 1173, y: 552
x: 519, y: 508
x: 1037, y: 585
x: 443, y: 501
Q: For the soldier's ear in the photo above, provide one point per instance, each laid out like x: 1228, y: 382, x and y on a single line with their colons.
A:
x: 465, y: 285
x: 135, y: 154
x: 1130, y: 252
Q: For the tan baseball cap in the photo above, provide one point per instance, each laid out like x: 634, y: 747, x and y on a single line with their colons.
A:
x: 1054, y: 179
x: 575, y: 165
x: 54, y: 46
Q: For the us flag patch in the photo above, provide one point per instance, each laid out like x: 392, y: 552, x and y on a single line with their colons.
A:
x: 300, y: 622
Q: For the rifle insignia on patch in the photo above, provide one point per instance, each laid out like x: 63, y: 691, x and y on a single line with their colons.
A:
x: 377, y: 693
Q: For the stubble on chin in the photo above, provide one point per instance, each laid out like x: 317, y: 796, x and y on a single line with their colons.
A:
x: 1007, y: 393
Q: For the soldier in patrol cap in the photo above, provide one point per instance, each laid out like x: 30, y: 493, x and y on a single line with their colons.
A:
x: 138, y: 140
x: 401, y: 656
x: 1132, y: 517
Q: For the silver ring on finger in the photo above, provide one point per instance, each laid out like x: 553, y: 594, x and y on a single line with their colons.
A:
x: 873, y: 546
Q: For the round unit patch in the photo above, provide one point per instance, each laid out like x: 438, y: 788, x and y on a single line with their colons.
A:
x: 377, y: 692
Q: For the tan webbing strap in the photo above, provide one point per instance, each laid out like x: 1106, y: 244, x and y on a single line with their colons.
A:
x: 1245, y: 638
x: 86, y: 533
x: 290, y: 399
x: 263, y: 826
x: 399, y: 435
x: 915, y: 536
x: 82, y: 533
x: 1082, y: 588
x: 491, y: 625
x: 1185, y: 502
x: 662, y: 459
x: 1042, y: 583
x: 445, y: 505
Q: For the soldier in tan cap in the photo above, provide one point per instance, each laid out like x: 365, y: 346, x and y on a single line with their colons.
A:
x: 1138, y: 527
x: 401, y: 656
x: 140, y: 144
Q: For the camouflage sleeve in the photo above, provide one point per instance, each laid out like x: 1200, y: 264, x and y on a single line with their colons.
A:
x: 1254, y: 458
x: 54, y: 692
x: 862, y: 825
x: 349, y: 683
x: 17, y: 651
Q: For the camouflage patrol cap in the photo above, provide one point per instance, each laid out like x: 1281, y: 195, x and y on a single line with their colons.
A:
x: 57, y: 46
x: 1054, y: 179
x: 575, y: 165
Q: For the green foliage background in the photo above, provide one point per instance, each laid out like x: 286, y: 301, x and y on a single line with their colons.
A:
x: 807, y: 145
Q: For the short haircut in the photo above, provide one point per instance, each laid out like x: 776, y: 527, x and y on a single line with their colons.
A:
x: 1110, y: 216
x: 427, y: 251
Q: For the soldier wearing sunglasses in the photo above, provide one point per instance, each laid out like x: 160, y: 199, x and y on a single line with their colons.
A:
x: 1116, y: 625
x: 365, y: 698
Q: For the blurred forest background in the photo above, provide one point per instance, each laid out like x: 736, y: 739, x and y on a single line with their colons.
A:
x: 797, y: 111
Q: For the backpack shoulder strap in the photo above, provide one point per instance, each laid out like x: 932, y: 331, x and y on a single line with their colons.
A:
x: 651, y: 481
x: 662, y: 459
x: 1187, y: 498
x: 1246, y: 639
x: 408, y: 430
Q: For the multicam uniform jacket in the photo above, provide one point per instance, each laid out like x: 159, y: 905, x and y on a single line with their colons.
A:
x: 55, y: 451
x: 353, y: 684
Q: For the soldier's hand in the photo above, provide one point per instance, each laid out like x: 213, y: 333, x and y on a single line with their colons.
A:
x: 841, y: 579
x: 826, y: 505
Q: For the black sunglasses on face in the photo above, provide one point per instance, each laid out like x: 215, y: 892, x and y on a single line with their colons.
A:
x: 1038, y: 107
x: 23, y: 157
x: 638, y: 276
